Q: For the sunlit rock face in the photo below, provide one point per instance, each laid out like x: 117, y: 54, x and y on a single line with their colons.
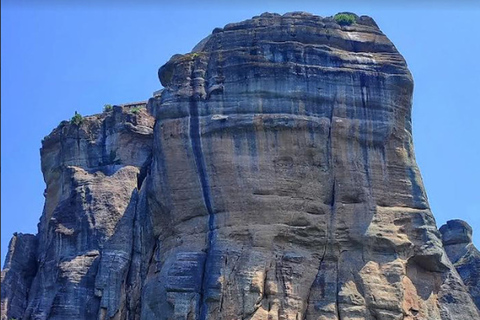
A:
x: 284, y: 183
x: 275, y: 180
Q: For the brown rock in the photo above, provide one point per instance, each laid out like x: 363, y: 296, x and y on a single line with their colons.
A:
x: 285, y: 153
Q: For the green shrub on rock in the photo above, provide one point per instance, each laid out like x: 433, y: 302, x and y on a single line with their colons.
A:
x: 344, y: 19
x: 107, y: 108
x: 77, y: 119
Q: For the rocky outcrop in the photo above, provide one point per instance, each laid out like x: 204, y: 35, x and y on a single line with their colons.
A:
x: 279, y: 182
x: 17, y: 274
x: 93, y: 170
x: 457, y: 241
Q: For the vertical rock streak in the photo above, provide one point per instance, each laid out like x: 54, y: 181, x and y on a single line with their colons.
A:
x: 195, y: 138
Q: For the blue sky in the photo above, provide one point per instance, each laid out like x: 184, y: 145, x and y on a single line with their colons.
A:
x: 58, y: 59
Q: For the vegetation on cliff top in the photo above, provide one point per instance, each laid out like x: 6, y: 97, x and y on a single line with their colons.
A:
x: 107, y: 108
x: 77, y: 119
x: 345, y: 19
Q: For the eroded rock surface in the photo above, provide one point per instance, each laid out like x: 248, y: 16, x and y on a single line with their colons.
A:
x: 279, y: 182
x: 93, y: 171
x: 18, y: 273
x: 457, y: 240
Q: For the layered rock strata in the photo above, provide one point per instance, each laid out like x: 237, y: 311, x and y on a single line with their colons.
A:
x: 457, y: 240
x: 279, y: 182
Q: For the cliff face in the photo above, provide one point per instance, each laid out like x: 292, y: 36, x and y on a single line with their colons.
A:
x: 92, y: 171
x: 279, y: 182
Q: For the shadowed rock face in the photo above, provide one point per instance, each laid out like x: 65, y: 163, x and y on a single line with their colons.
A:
x: 85, y: 239
x: 279, y: 182
x: 457, y: 240
x: 17, y: 274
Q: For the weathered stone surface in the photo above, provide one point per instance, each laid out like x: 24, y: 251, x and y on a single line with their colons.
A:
x: 457, y: 241
x: 17, y: 275
x: 92, y: 171
x: 284, y: 154
x: 279, y: 182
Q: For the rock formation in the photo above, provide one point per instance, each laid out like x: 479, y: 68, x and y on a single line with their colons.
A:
x: 92, y: 170
x: 277, y: 181
x: 457, y: 241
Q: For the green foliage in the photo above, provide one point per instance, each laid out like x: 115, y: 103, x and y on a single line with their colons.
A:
x: 344, y: 19
x: 107, y: 108
x: 190, y: 56
x: 77, y: 119
x: 135, y: 110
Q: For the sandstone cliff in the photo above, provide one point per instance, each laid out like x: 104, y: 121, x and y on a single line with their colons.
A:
x: 277, y: 181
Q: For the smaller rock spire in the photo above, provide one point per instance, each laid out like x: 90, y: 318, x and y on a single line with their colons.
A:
x: 457, y: 240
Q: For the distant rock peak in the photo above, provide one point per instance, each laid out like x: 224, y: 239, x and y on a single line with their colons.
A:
x: 457, y: 240
x: 456, y: 232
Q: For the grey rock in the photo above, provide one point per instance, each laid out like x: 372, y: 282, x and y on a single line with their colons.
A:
x: 92, y: 171
x: 17, y: 275
x: 457, y: 241
x: 275, y: 180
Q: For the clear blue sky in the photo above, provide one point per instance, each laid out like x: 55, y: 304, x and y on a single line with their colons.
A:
x: 58, y: 58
